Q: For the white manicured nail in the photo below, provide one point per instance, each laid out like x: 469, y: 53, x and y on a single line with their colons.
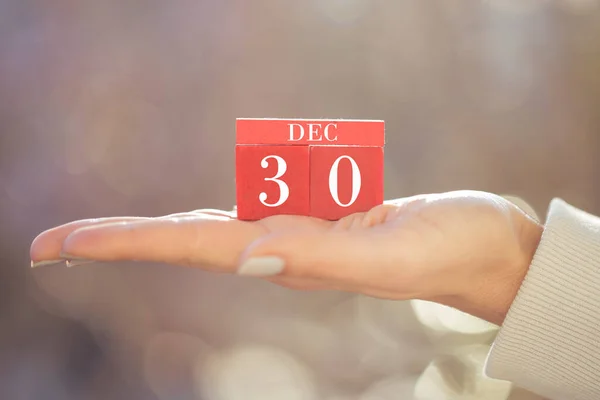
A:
x: 77, y: 263
x: 262, y: 266
x: 35, y: 264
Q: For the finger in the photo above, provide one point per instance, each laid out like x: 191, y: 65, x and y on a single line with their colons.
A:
x: 191, y: 241
x: 339, y: 258
x: 46, y: 247
x: 523, y: 205
x: 309, y: 285
x: 204, y: 211
x: 410, y: 199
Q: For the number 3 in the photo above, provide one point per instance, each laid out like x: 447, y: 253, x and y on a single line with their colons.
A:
x: 284, y: 190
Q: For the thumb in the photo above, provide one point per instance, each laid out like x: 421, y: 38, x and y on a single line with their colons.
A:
x: 345, y: 257
x: 523, y: 205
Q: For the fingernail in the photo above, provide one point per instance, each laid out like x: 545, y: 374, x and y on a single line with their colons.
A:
x: 35, y: 264
x: 77, y: 262
x: 72, y: 257
x: 261, y: 266
x: 74, y: 261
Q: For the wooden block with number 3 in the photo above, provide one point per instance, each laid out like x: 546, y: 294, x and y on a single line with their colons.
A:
x: 345, y: 180
x: 272, y: 180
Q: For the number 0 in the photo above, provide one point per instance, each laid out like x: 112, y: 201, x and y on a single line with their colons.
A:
x: 333, y: 181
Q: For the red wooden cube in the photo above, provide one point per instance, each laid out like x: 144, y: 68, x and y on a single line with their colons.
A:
x: 272, y: 180
x: 305, y: 132
x: 345, y: 180
x: 323, y: 168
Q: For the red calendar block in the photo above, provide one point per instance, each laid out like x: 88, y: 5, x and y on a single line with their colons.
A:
x: 345, y: 180
x: 305, y: 132
x: 272, y: 180
x: 323, y: 168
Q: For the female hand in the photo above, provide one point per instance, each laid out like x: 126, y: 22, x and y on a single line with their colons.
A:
x: 469, y: 250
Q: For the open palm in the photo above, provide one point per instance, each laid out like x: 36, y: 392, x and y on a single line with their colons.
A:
x: 437, y: 247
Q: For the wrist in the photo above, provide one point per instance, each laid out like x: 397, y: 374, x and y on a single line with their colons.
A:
x: 491, y: 299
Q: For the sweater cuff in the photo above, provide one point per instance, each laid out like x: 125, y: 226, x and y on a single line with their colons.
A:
x: 550, y: 341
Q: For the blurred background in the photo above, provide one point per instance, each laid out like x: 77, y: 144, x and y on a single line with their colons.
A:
x: 128, y: 108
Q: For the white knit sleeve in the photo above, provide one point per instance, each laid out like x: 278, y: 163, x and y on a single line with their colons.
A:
x: 550, y: 341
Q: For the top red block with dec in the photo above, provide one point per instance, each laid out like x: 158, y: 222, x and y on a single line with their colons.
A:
x: 322, y: 168
x: 304, y: 132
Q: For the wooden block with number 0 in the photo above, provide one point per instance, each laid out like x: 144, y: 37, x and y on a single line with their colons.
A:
x: 345, y: 180
x: 323, y: 168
